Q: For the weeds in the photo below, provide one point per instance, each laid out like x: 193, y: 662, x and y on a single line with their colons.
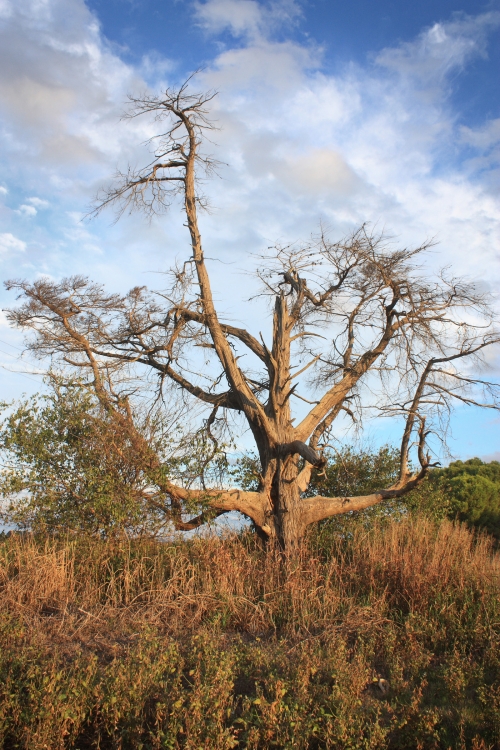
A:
x: 386, y: 640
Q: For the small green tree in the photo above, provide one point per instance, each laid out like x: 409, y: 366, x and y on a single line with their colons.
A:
x: 69, y: 464
x: 350, y: 471
x: 472, y: 492
x: 356, y: 472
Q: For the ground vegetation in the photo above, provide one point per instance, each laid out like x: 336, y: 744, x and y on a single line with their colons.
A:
x: 388, y: 638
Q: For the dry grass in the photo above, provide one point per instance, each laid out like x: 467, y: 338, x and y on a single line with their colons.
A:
x: 213, y: 644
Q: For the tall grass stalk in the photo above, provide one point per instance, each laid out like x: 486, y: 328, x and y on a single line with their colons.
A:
x: 388, y: 639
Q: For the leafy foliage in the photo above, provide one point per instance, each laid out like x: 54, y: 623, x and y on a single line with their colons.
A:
x: 472, y: 492
x: 71, y: 465
x: 351, y: 472
x: 468, y: 491
x: 356, y: 472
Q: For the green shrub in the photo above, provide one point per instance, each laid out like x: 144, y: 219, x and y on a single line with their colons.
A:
x: 71, y: 465
x: 67, y: 465
x: 473, y: 491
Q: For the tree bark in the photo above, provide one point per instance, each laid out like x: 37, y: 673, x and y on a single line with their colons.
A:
x: 288, y: 518
x: 389, y: 305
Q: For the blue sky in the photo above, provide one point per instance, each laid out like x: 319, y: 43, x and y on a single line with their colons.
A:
x: 330, y: 112
x: 346, y: 32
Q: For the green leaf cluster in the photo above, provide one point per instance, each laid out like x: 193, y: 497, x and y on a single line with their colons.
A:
x: 68, y: 466
x: 355, y: 471
x: 472, y: 491
x: 350, y: 472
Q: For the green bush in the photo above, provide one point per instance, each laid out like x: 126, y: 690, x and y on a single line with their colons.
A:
x: 70, y: 464
x: 472, y: 489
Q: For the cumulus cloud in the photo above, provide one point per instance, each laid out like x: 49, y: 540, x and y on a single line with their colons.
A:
x: 5, y: 9
x: 10, y: 244
x: 378, y: 143
x: 62, y: 91
x: 375, y: 143
x: 38, y: 202
x: 484, y: 137
x: 26, y: 210
x: 240, y: 16
x: 60, y: 86
x: 319, y: 172
x: 439, y: 50
x: 246, y: 18
x: 484, y: 145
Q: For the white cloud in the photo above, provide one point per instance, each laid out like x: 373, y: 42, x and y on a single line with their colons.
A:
x: 246, y: 17
x: 155, y: 67
x: 3, y: 190
x: 372, y: 143
x: 240, y: 16
x: 62, y: 91
x: 484, y: 137
x: 26, y: 210
x: 484, y: 142
x: 367, y: 143
x: 10, y: 244
x: 38, y: 202
x: 319, y: 172
x: 78, y: 235
x: 5, y: 9
x: 441, y: 49
x: 60, y: 103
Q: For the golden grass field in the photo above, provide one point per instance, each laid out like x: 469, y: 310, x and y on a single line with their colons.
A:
x: 388, y: 639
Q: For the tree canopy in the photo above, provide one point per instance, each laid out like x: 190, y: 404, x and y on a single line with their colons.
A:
x: 358, y: 329
x: 472, y: 491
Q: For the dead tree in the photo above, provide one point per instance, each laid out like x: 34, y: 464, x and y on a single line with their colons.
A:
x: 356, y: 325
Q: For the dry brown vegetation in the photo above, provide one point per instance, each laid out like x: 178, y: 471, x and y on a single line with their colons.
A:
x: 389, y: 639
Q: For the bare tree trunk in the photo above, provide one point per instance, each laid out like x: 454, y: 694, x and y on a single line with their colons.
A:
x: 287, y: 512
x: 281, y: 495
x: 372, y: 310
